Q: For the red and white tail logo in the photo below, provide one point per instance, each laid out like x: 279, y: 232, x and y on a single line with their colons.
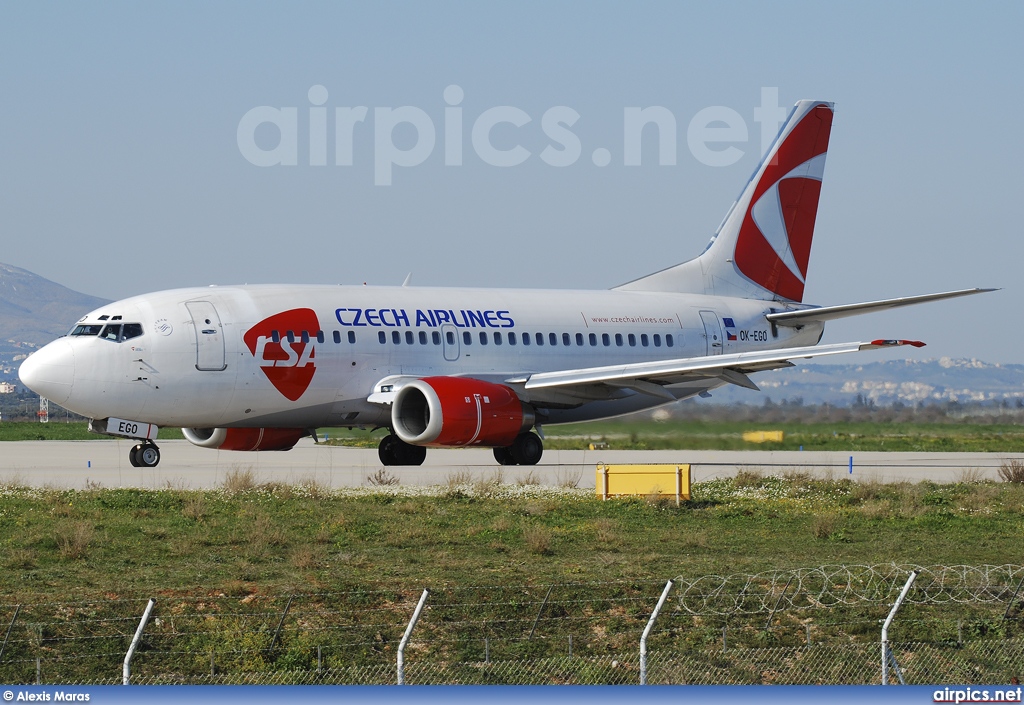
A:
x: 774, y: 242
x: 289, y: 364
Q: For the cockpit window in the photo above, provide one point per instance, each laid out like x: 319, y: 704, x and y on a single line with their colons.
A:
x: 131, y: 330
x: 112, y: 333
x: 87, y: 329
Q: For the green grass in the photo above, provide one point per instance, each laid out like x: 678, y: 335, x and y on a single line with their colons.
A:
x: 58, y: 543
x: 379, y: 547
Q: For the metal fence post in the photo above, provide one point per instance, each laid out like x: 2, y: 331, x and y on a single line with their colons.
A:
x: 277, y: 632
x: 647, y: 631
x: 9, y: 628
x: 408, y: 633
x: 885, y: 631
x: 127, y: 668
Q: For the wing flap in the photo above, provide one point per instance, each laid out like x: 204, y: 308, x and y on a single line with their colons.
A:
x: 730, y: 368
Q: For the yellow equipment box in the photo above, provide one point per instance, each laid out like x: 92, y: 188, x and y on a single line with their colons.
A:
x: 663, y: 480
x: 763, y: 436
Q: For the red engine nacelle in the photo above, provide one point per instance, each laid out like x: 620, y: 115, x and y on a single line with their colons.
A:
x: 458, y: 411
x: 245, y: 438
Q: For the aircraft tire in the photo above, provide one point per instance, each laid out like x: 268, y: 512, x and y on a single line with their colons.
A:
x: 409, y: 454
x: 504, y: 456
x: 386, y: 450
x: 394, y: 451
x: 527, y: 449
x: 148, y: 455
x: 133, y: 455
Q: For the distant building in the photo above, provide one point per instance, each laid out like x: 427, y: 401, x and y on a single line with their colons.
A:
x: 7, y: 388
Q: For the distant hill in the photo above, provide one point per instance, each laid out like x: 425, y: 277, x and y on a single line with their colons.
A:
x: 34, y: 311
x: 884, y: 383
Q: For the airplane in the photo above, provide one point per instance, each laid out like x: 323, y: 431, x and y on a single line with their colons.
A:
x: 251, y: 368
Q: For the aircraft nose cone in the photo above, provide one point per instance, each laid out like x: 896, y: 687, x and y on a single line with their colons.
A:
x: 50, y: 371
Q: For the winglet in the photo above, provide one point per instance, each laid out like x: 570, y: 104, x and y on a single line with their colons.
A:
x: 890, y: 344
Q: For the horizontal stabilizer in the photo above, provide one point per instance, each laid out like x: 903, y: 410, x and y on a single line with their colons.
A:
x: 831, y: 313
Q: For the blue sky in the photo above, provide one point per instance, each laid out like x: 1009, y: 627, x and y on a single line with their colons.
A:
x: 122, y: 172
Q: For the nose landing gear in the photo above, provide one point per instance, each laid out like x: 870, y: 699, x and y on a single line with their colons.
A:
x: 144, y: 455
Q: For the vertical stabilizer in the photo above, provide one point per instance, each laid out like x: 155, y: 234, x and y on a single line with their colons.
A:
x: 763, y: 246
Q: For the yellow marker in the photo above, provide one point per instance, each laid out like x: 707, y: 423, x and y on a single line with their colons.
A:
x: 763, y: 436
x: 663, y: 480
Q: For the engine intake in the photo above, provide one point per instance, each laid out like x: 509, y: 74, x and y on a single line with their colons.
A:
x: 245, y: 439
x: 459, y: 411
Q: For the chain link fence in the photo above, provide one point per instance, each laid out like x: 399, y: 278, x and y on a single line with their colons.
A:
x: 960, y: 624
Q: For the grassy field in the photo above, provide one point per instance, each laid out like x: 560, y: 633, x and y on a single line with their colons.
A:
x: 262, y: 543
x: 279, y: 538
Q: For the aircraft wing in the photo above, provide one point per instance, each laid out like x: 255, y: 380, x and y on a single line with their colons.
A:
x: 830, y: 313
x: 652, y: 377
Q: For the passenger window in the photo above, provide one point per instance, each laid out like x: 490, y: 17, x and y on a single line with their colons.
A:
x: 497, y: 338
x: 552, y: 339
x: 435, y: 338
x: 657, y: 340
x: 539, y: 337
x: 632, y: 340
x: 606, y: 339
x: 526, y: 338
x: 593, y: 339
x: 131, y: 330
x: 396, y: 337
x: 409, y: 339
x: 275, y: 336
x: 450, y: 337
x: 511, y: 338
x: 565, y: 339
x: 467, y: 338
x: 290, y: 335
x: 382, y: 337
x: 579, y: 339
x: 305, y: 336
x: 352, y: 336
x: 337, y: 337
x: 111, y: 333
x: 669, y: 341
x: 644, y: 340
x: 483, y: 338
x: 423, y: 337
x: 618, y: 339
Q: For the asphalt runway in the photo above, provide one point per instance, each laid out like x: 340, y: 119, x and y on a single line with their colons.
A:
x: 80, y: 464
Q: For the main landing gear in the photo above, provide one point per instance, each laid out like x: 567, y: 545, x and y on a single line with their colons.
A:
x: 144, y: 455
x: 526, y: 449
x: 394, y: 451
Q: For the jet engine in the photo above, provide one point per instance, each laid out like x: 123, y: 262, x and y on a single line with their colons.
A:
x: 245, y: 438
x: 459, y: 411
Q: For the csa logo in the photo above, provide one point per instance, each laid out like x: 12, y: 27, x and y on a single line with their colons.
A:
x: 774, y: 243
x: 289, y: 366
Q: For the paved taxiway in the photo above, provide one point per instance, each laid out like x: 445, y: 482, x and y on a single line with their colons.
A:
x: 77, y: 464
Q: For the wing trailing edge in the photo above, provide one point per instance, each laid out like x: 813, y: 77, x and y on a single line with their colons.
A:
x: 730, y: 368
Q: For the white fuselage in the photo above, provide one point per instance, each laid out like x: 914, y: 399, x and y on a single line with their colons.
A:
x: 308, y: 356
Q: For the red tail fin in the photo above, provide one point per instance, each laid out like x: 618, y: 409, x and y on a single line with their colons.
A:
x: 774, y: 242
x: 762, y: 248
